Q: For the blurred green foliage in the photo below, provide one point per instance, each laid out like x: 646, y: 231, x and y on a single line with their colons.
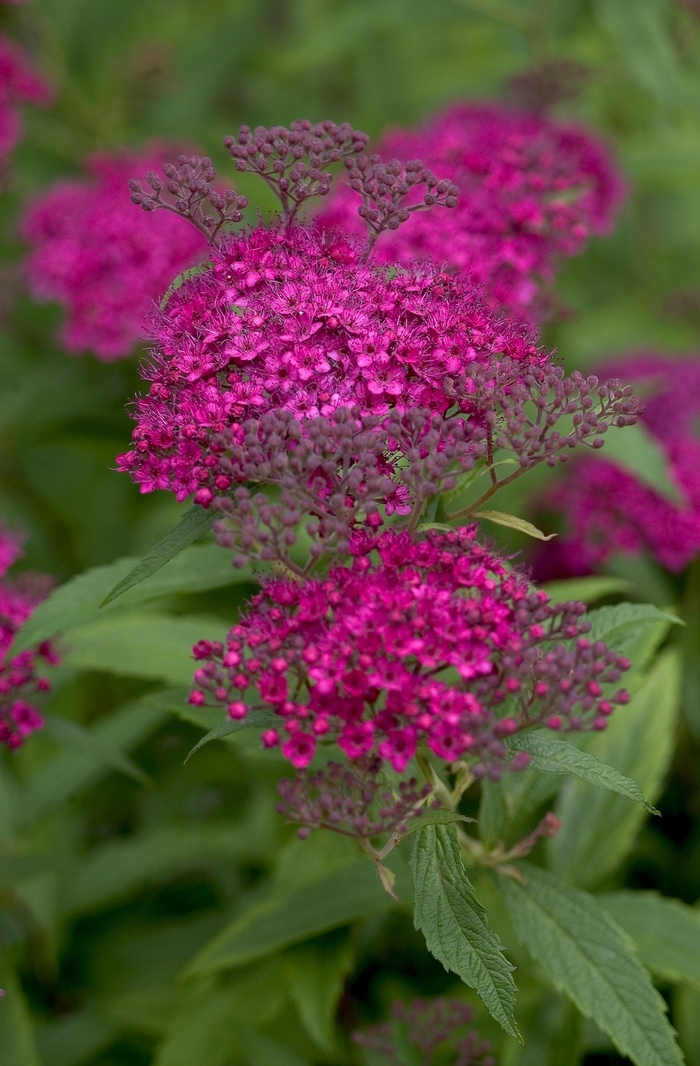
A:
x: 115, y: 874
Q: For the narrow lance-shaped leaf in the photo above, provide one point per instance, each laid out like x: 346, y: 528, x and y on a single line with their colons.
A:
x: 253, y: 720
x: 551, y: 756
x: 586, y: 956
x: 454, y: 923
x: 511, y: 521
x: 193, y: 525
x: 75, y: 737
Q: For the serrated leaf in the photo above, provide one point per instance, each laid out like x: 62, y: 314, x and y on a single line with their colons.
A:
x: 253, y: 720
x: 598, y: 828
x: 316, y: 973
x: 77, y: 602
x: 634, y: 630
x: 69, y: 772
x: 455, y: 925
x: 314, y: 902
x: 149, y: 645
x: 665, y: 933
x: 438, y: 817
x: 75, y: 737
x: 180, y: 280
x: 585, y: 955
x: 511, y: 521
x: 17, y: 1046
x: 551, y: 756
x: 193, y: 525
x: 585, y: 589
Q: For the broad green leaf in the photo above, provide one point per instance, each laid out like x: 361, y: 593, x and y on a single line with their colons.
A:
x: 253, y: 720
x: 73, y: 1039
x: 551, y: 756
x: 211, y: 1020
x: 20, y: 866
x: 640, y: 33
x: 454, y: 923
x: 634, y: 449
x: 511, y: 521
x: 437, y: 817
x: 309, y: 902
x: 197, y: 569
x: 155, y: 646
x: 193, y: 525
x: 493, y: 813
x: 634, y: 630
x: 598, y: 828
x: 586, y: 956
x: 316, y: 973
x: 75, y: 737
x: 17, y: 1046
x: 263, y: 1051
x: 665, y: 932
x: 122, y: 867
x: 585, y: 589
x: 69, y: 772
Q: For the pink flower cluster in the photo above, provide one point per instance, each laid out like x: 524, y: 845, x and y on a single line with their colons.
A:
x: 296, y: 321
x: 19, y: 682
x: 19, y: 83
x: 431, y: 640
x: 105, y: 262
x: 608, y: 509
x: 531, y: 189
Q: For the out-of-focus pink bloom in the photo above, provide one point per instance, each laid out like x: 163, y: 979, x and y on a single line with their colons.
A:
x: 425, y: 644
x: 532, y: 189
x: 607, y: 509
x: 19, y: 83
x: 19, y: 681
x: 103, y: 259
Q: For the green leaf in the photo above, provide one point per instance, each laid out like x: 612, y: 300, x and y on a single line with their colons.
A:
x: 18, y: 867
x: 511, y: 521
x: 75, y: 737
x: 634, y: 630
x: 665, y: 933
x: 493, y: 813
x: 586, y: 956
x: 316, y: 973
x: 192, y: 272
x: 641, y: 35
x: 634, y: 449
x: 312, y: 901
x: 599, y: 827
x: 193, y: 525
x: 686, y: 1014
x: 585, y: 589
x: 551, y: 756
x: 16, y: 1036
x: 69, y: 772
x: 121, y: 867
x: 454, y: 923
x: 149, y: 645
x: 552, y: 1032
x: 77, y: 602
x: 253, y: 720
x: 74, y: 1038
x: 263, y: 1051
x: 437, y: 817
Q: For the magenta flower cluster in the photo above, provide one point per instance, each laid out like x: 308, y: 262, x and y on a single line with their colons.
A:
x: 436, y: 640
x: 19, y: 83
x: 19, y: 681
x: 295, y: 320
x: 101, y: 260
x: 531, y: 190
x: 429, y: 1026
x: 607, y: 509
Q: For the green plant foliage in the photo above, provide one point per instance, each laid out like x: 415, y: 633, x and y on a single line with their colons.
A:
x: 666, y: 933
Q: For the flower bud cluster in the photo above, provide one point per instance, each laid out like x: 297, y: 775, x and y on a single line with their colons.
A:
x: 19, y: 682
x: 296, y: 321
x: 100, y: 259
x: 19, y: 83
x: 427, y: 1025
x: 384, y: 188
x: 293, y: 161
x: 191, y: 183
x: 531, y: 189
x: 436, y: 642
x: 353, y: 800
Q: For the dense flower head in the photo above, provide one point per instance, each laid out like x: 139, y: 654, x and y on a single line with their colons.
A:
x: 19, y: 83
x: 531, y: 189
x: 428, y: 1025
x: 608, y: 510
x: 105, y: 262
x: 19, y: 682
x: 295, y: 320
x: 429, y: 640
